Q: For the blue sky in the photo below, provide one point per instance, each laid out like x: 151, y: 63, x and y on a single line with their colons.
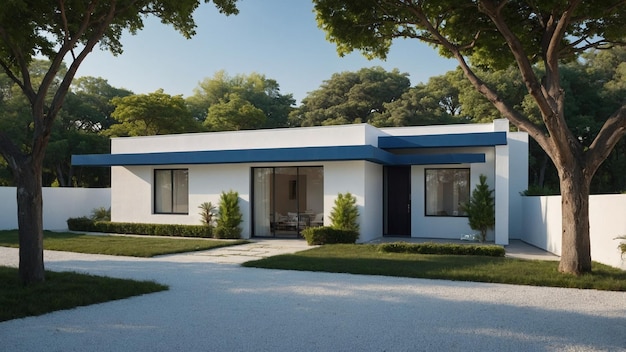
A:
x: 276, y: 38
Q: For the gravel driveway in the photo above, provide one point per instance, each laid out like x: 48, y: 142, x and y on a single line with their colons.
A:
x: 224, y: 307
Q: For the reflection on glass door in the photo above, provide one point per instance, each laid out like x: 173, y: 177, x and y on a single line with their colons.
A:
x: 286, y: 200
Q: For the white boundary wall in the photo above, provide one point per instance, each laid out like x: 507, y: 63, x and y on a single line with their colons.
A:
x: 542, y: 225
x: 59, y: 204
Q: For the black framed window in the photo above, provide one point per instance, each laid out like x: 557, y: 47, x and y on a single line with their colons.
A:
x: 446, y: 191
x: 171, y: 191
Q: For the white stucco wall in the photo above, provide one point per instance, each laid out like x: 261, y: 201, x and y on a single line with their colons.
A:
x: 59, y: 204
x: 542, y: 225
x: 447, y: 226
x: 254, y: 139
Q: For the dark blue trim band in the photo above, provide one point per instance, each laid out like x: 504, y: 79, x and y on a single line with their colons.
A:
x: 480, y: 139
x: 338, y: 153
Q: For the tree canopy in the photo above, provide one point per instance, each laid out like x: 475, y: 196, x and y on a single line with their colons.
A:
x: 350, y: 97
x: 243, y: 95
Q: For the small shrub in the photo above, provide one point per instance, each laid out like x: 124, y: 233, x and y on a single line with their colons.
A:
x: 481, y: 208
x: 442, y: 248
x: 622, y: 246
x: 229, y: 217
x: 344, y: 215
x: 328, y: 235
x: 101, y: 214
x: 207, y: 214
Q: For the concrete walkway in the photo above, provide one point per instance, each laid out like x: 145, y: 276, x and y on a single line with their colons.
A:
x: 217, y: 306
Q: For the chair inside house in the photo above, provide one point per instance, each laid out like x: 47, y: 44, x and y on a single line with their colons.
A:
x: 318, y: 220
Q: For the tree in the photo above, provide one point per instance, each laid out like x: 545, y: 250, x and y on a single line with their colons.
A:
x: 495, y: 35
x: 436, y: 102
x: 150, y: 114
x: 233, y: 114
x: 481, y: 209
x: 351, y: 97
x: 62, y: 30
x: 254, y: 90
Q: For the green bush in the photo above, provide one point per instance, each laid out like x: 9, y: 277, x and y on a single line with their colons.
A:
x: 481, y: 209
x: 88, y: 225
x: 328, y: 235
x: 229, y: 217
x: 345, y: 215
x: 442, y: 248
x: 101, y: 214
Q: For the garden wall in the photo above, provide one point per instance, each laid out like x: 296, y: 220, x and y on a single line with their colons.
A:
x: 59, y: 204
x: 607, y: 220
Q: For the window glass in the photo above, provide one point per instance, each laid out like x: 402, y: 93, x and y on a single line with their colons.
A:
x: 171, y: 191
x: 446, y: 191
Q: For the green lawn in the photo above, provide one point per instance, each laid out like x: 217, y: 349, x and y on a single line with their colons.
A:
x: 63, y: 291
x: 368, y: 260
x: 134, y: 246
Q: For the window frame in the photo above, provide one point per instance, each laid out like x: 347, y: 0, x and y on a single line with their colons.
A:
x: 460, y: 214
x: 173, y: 188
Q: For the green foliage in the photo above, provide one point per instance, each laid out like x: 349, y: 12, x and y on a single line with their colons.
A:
x: 151, y: 114
x: 240, y: 102
x: 345, y: 215
x: 64, y: 290
x: 207, y: 214
x: 481, y: 208
x: 350, y: 97
x: 88, y: 225
x: 442, y: 248
x: 234, y: 113
x: 622, y: 246
x: 328, y: 235
x: 229, y: 217
x: 101, y: 214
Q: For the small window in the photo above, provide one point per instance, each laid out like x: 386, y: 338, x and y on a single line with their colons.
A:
x: 171, y: 191
x: 446, y: 191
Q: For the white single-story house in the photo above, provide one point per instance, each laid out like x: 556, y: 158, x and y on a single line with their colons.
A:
x: 408, y: 181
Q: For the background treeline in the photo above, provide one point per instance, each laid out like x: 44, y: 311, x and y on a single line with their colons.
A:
x: 94, y: 111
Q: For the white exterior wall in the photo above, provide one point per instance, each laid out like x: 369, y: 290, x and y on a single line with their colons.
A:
x: 59, y: 204
x: 256, y: 139
x: 364, y: 181
x: 448, y: 227
x: 518, y: 181
x: 542, y: 225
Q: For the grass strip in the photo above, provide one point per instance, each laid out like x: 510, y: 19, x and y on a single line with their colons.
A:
x: 133, y: 246
x: 369, y: 260
x: 63, y: 290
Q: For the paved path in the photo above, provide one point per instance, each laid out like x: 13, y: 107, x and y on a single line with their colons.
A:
x: 213, y: 306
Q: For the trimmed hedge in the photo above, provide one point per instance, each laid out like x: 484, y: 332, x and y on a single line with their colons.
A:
x: 442, y: 248
x: 88, y: 225
x: 328, y: 235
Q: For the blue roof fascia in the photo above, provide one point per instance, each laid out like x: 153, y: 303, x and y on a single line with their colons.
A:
x: 458, y: 140
x: 336, y: 153
x: 439, y: 159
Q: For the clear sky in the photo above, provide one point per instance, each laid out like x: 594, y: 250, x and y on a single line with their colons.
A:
x: 277, y: 38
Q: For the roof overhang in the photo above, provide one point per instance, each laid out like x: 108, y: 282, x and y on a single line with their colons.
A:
x: 456, y: 140
x: 304, y: 154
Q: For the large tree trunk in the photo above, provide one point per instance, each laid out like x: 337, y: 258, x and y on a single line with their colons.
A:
x: 576, y: 244
x: 30, y: 222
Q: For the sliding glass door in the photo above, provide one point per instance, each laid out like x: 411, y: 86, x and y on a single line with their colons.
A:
x: 287, y: 200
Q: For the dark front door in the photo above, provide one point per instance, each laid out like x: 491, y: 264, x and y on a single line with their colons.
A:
x: 397, y: 207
